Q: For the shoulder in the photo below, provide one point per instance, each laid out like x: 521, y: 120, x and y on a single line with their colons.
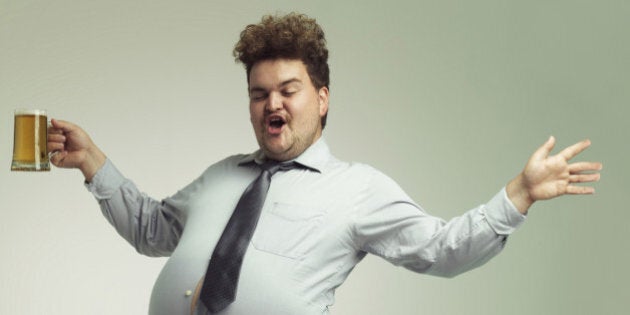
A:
x: 376, y: 186
x: 365, y: 176
x: 230, y: 161
x: 221, y: 170
x: 369, y: 172
x: 226, y: 166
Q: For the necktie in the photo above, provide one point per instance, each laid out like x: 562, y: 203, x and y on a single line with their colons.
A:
x: 219, y: 285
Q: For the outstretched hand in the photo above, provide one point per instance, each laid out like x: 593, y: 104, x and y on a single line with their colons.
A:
x: 548, y: 176
x: 73, y: 148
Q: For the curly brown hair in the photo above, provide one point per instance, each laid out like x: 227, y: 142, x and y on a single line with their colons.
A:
x: 291, y: 36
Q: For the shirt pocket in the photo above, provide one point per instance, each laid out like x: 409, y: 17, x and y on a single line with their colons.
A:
x: 288, y: 230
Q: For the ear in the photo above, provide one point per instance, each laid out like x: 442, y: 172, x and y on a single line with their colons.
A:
x: 323, y: 101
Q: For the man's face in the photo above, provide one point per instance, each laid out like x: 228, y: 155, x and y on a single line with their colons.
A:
x: 285, y: 108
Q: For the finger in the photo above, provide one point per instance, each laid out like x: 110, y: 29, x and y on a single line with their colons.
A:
x: 56, y: 142
x: 583, y: 178
x: 570, y: 152
x: 62, y: 125
x: 54, y: 131
x: 58, y: 158
x: 55, y: 146
x: 584, y: 167
x: 543, y: 151
x: 56, y: 138
x: 580, y: 190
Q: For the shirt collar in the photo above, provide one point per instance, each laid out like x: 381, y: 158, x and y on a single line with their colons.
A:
x: 314, y: 157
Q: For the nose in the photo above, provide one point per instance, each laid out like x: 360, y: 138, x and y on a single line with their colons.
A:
x: 274, y: 102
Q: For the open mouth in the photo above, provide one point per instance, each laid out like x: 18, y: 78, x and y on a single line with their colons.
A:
x: 275, y: 124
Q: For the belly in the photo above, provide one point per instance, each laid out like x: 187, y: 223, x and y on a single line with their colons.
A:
x: 265, y: 283
x: 173, y: 290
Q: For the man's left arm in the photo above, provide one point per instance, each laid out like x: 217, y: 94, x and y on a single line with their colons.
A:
x: 397, y: 229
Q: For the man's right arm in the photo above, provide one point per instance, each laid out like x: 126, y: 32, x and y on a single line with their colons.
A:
x: 153, y: 227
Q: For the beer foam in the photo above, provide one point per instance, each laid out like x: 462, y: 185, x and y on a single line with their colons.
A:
x: 25, y: 111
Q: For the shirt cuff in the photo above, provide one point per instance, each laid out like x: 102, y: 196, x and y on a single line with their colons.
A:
x: 502, y: 215
x: 106, y: 181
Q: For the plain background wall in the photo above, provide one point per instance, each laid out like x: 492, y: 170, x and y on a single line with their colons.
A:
x: 447, y: 97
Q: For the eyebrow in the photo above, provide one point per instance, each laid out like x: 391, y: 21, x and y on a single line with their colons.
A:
x: 282, y: 84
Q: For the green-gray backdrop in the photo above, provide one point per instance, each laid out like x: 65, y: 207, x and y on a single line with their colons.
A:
x: 447, y: 97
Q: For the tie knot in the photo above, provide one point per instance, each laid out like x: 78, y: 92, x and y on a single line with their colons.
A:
x: 272, y: 167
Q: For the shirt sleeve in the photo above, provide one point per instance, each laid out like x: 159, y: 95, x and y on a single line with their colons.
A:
x: 153, y: 227
x: 394, y: 227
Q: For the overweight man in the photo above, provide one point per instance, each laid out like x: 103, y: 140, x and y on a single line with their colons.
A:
x: 276, y: 231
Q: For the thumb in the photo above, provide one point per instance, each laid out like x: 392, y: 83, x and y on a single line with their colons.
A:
x: 543, y: 151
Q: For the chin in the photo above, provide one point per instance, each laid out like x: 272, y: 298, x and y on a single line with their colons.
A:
x: 275, y: 152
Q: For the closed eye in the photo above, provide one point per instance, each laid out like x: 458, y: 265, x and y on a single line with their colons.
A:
x: 288, y: 93
x: 258, y: 96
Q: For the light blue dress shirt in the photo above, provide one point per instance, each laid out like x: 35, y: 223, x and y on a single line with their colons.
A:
x: 315, y: 226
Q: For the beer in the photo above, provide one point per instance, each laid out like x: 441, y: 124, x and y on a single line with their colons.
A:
x: 30, y: 140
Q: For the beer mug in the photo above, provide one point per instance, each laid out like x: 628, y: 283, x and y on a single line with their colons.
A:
x: 30, y: 137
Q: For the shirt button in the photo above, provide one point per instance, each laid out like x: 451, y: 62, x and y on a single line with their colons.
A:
x: 188, y: 293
